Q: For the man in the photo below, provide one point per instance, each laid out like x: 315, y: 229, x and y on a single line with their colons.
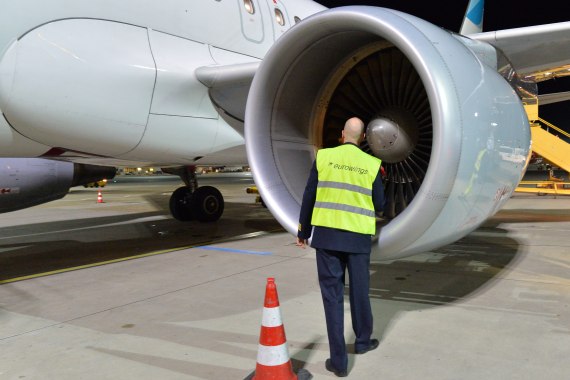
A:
x: 343, y: 191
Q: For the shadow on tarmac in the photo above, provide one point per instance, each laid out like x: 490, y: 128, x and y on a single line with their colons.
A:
x: 45, y: 247
x: 437, y: 278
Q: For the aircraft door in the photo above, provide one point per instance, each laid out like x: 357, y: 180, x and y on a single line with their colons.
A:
x: 252, y: 20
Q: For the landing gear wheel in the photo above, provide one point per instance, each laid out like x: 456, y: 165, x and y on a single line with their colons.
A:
x: 181, y: 204
x: 207, y: 204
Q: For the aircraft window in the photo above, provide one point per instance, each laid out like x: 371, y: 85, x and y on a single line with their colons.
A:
x: 249, y: 6
x: 297, y: 20
x: 279, y: 17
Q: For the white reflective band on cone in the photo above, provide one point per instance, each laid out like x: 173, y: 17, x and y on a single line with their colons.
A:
x: 271, y: 317
x: 272, y: 355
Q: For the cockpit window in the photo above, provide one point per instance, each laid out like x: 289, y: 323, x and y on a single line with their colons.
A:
x: 248, y: 4
x: 279, y: 17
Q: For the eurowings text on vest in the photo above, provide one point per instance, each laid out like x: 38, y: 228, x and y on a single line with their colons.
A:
x: 349, y: 168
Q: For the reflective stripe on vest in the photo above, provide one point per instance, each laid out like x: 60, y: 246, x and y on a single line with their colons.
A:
x: 341, y: 207
x: 346, y: 186
x: 344, y: 192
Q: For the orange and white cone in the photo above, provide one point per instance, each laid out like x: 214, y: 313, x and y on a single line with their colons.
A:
x: 273, y: 361
x: 99, y: 197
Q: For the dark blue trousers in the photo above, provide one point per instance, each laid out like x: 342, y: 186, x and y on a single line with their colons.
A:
x: 331, y: 266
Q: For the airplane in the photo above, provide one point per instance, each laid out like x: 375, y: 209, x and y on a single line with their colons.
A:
x: 179, y: 83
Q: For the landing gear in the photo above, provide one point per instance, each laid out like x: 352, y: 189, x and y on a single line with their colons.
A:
x: 191, y: 202
x: 208, y: 204
x: 181, y: 204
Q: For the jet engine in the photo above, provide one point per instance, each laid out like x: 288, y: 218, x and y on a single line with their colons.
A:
x: 451, y: 131
x: 27, y: 182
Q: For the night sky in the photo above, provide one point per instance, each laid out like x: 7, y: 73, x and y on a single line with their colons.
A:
x: 499, y: 14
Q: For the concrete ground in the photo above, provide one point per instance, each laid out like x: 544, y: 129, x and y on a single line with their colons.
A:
x: 494, y: 305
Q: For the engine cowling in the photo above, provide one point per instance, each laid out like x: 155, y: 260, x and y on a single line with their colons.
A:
x: 452, y: 133
x: 27, y: 182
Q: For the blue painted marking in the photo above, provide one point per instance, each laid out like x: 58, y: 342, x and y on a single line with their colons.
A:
x: 475, y: 13
x: 242, y: 251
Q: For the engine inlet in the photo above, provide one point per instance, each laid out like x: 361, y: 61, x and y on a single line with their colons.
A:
x: 384, y: 90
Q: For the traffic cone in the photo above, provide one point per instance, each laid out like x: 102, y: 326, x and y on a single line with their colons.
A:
x: 99, y: 197
x: 273, y: 361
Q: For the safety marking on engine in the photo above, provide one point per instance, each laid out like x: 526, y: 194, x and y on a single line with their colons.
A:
x: 9, y: 190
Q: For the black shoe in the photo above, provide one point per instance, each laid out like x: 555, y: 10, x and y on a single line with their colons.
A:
x: 372, y: 346
x: 337, y: 372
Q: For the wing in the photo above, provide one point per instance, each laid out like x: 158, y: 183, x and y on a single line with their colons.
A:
x: 537, y: 53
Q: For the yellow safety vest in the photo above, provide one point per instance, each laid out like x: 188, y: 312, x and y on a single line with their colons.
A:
x: 344, y: 192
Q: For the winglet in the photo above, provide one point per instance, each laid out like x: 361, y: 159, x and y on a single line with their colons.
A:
x: 473, y: 21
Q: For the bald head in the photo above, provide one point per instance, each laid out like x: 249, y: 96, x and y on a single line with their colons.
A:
x: 353, y: 131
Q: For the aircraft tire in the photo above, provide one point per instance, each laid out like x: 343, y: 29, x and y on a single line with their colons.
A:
x: 181, y: 204
x: 207, y: 204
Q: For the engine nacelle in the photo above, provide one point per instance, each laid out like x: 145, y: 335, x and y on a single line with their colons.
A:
x: 452, y: 133
x: 27, y: 182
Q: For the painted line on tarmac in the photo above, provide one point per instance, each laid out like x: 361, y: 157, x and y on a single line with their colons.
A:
x: 126, y: 222
x: 243, y: 251
x: 207, y: 243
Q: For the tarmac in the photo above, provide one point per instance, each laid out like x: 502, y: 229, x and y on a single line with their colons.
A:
x: 120, y: 290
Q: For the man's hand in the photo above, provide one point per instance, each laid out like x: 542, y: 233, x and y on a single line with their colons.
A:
x: 301, y: 242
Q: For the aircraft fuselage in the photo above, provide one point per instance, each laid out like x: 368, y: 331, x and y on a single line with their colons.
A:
x: 118, y: 80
